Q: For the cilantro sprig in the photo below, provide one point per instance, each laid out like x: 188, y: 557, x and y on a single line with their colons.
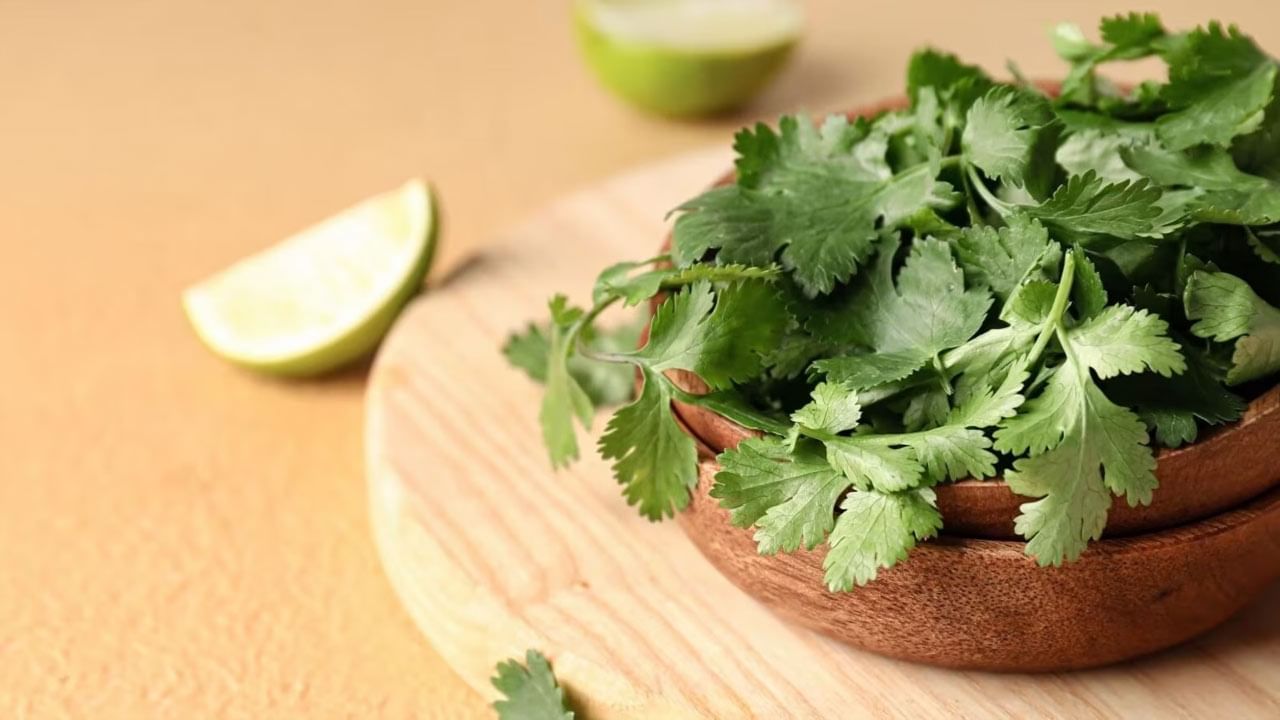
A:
x: 992, y: 281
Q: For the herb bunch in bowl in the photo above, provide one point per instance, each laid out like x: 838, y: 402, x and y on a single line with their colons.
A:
x: 992, y: 281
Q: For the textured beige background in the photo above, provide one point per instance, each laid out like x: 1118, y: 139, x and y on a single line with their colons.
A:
x: 179, y: 539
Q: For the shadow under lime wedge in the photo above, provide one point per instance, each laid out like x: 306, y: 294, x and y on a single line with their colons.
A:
x: 687, y: 57
x: 324, y: 297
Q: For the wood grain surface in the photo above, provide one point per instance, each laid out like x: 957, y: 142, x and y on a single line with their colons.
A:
x: 492, y: 552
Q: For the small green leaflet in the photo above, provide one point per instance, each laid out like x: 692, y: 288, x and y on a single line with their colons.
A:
x: 564, y: 398
x: 1002, y: 259
x: 834, y: 409
x: 1002, y: 130
x: 1171, y: 406
x: 1221, y: 192
x: 530, y: 689
x: 1224, y: 308
x: 605, y: 384
x: 877, y: 530
x: 810, y: 198
x: 721, y: 337
x: 1219, y: 85
x: 905, y: 324
x: 619, y: 281
x: 654, y: 460
x: 1088, y: 206
x: 1082, y: 447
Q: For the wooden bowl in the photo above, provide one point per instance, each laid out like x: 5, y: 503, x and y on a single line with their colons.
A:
x: 1209, y: 543
x: 982, y: 604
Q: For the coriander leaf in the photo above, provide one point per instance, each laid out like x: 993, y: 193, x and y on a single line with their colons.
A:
x: 834, y: 409
x: 877, y: 530
x: 564, y: 399
x: 604, y: 383
x: 763, y: 473
x: 1125, y: 37
x: 616, y: 281
x: 1003, y: 259
x: 1258, y: 153
x: 1132, y: 32
x: 1265, y: 244
x: 1121, y: 340
x: 788, y: 494
x: 1087, y: 206
x: 654, y: 460
x: 1171, y: 406
x: 808, y: 198
x: 1219, y: 86
x: 528, y: 351
x: 1087, y: 293
x: 868, y: 370
x: 531, y: 690
x: 957, y: 448
x: 928, y: 311
x: 943, y: 73
x: 1222, y: 193
x: 1098, y: 150
x: 722, y: 338
x: 874, y: 465
x: 1226, y: 308
x: 1082, y: 446
x: 1001, y: 130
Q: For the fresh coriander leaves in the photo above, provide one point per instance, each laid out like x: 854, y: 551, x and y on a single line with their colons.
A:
x: 1080, y: 447
x: 989, y: 281
x: 811, y: 198
x: 1225, y: 308
x: 531, y: 690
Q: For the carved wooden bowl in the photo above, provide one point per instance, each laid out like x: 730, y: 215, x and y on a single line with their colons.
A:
x: 1207, y: 545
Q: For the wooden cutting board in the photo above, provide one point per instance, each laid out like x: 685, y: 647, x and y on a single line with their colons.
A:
x: 493, y: 553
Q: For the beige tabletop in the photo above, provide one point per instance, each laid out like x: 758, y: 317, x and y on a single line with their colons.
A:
x: 179, y: 539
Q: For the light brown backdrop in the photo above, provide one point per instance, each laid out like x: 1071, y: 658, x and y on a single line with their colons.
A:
x: 180, y: 539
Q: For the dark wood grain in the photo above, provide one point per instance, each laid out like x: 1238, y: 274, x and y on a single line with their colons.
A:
x: 982, y: 604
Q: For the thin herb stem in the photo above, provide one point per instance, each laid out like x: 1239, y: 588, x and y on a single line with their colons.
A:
x: 1054, y: 320
x: 996, y: 203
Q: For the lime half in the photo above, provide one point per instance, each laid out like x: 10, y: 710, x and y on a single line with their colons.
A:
x: 325, y: 296
x: 687, y: 57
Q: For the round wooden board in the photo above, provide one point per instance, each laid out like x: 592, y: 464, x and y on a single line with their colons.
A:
x: 493, y: 553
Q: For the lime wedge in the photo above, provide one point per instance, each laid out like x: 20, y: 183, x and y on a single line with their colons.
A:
x: 325, y: 296
x: 687, y: 57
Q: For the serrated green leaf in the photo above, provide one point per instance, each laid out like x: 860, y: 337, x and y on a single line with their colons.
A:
x: 834, y: 409
x: 876, y: 531
x: 1225, y: 308
x: 531, y: 690
x: 1001, y: 130
x: 1002, y: 259
x: 813, y: 200
x: 654, y: 461
x: 1220, y: 84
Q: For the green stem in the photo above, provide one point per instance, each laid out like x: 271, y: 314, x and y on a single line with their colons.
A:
x: 1059, y: 307
x: 975, y: 215
x: 996, y: 203
x: 941, y: 369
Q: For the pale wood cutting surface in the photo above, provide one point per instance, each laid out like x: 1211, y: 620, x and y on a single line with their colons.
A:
x: 179, y: 539
x: 492, y: 552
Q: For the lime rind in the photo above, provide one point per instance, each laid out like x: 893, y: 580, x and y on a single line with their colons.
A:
x: 298, y: 310
x: 681, y: 67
